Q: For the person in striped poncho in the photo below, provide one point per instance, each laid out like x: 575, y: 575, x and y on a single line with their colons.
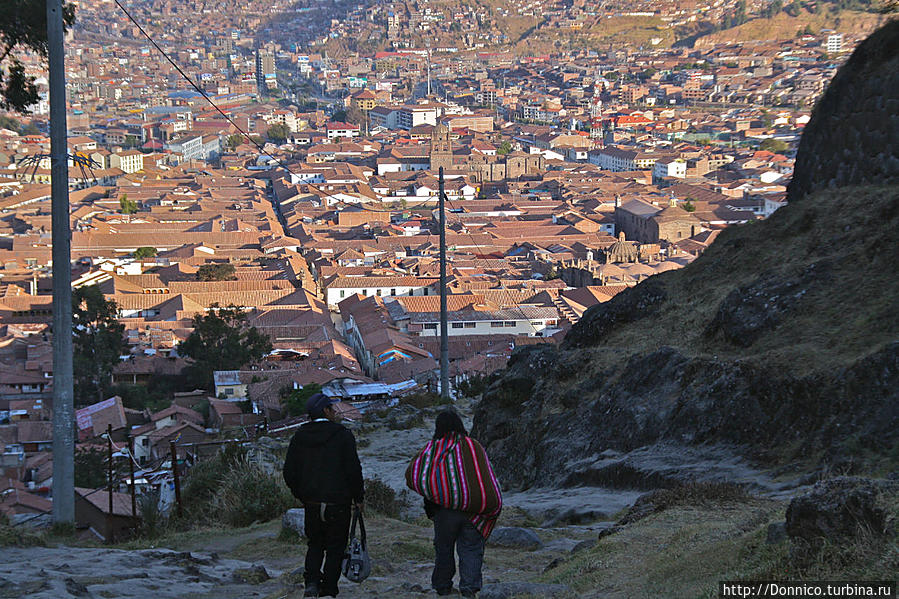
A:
x: 462, y: 496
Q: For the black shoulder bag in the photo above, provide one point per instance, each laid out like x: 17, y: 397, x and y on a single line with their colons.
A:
x: 356, y: 562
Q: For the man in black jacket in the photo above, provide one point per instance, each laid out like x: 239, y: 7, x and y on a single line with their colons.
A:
x: 323, y: 471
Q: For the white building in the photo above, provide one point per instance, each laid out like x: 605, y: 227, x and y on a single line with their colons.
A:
x: 669, y: 167
x: 834, y: 44
x: 130, y: 161
x: 341, y: 288
x: 337, y: 130
x: 532, y: 321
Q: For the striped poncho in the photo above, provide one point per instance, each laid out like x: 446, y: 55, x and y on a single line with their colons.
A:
x: 454, y: 473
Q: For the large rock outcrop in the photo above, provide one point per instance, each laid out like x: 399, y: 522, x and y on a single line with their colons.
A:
x: 780, y: 344
x: 853, y: 135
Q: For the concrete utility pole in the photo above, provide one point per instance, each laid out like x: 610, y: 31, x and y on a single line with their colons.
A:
x: 444, y: 334
x: 63, y: 412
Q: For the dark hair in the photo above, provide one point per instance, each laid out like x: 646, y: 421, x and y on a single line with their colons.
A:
x: 447, y: 422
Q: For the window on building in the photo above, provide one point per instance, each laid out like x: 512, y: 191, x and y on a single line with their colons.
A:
x: 536, y: 323
x: 509, y: 323
x: 456, y: 325
x: 342, y: 293
x: 497, y: 325
x: 431, y: 326
x: 470, y: 325
x: 393, y: 292
x: 379, y: 292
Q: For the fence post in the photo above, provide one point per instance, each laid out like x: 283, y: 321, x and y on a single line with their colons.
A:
x: 177, y: 480
x: 131, y: 469
x: 109, y: 469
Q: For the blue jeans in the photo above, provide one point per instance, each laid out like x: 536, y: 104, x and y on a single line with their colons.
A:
x: 454, y: 531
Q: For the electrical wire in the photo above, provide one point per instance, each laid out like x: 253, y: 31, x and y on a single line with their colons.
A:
x: 246, y: 135
x: 276, y: 159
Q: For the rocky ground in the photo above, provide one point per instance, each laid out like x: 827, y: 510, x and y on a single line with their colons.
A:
x: 580, y: 542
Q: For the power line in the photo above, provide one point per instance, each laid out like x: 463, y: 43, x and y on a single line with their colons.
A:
x: 278, y: 160
x: 236, y: 126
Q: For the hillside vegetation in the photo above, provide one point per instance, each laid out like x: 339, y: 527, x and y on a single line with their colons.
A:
x: 780, y: 344
x: 784, y: 26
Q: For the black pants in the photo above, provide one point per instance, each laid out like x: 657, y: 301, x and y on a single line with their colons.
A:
x: 327, y: 539
x: 454, y: 530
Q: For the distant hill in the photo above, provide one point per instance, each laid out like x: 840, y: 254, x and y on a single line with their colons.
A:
x: 784, y: 27
x: 780, y: 343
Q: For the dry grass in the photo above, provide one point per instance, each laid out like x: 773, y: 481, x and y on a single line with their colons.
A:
x: 783, y: 26
x: 833, y: 325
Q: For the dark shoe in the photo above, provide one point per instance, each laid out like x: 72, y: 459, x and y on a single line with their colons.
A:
x: 469, y: 593
x: 449, y: 591
x: 311, y: 590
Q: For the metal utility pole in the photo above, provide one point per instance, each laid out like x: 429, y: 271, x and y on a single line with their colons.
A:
x: 109, y: 466
x: 131, y: 473
x: 63, y: 412
x: 444, y: 333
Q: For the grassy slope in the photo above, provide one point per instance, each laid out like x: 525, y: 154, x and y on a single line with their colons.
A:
x: 832, y: 325
x: 783, y: 26
x: 685, y: 550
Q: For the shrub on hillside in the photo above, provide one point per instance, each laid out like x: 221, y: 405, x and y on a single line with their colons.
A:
x: 204, y: 481
x: 382, y: 499
x: 693, y: 493
x: 152, y: 519
x: 422, y: 399
x: 249, y: 494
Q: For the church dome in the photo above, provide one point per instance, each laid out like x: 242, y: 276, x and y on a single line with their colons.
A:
x: 621, y: 251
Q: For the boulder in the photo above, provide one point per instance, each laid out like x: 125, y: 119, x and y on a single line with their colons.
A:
x: 253, y: 575
x: 777, y: 533
x: 404, y: 417
x: 506, y: 590
x: 515, y: 538
x: 294, y: 519
x: 586, y: 544
x: 838, y: 508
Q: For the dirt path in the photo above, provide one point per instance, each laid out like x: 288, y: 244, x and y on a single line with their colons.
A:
x: 228, y: 564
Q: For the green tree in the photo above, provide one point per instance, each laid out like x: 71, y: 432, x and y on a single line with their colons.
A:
x: 233, y: 140
x: 216, y: 272
x: 278, y: 132
x: 689, y: 206
x: 90, y: 468
x: 504, y: 148
x: 773, y: 145
x: 7, y: 122
x: 127, y: 206
x: 23, y: 30
x: 221, y: 340
x: 144, y: 252
x: 98, y: 340
x: 294, y: 400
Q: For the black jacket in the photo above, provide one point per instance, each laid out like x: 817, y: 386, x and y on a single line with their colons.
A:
x: 322, y: 465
